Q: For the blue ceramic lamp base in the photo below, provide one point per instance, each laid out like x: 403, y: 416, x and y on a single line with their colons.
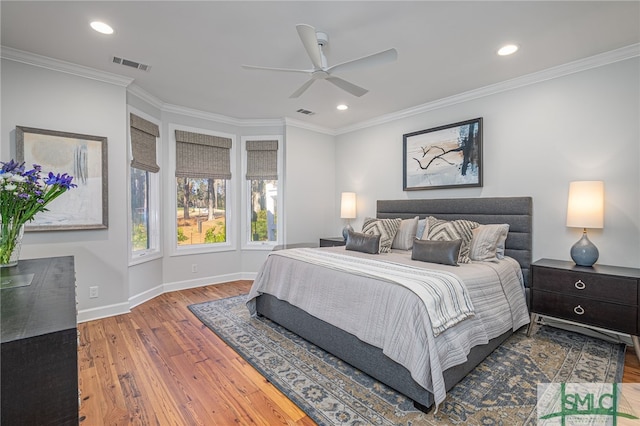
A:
x: 584, y: 252
x: 345, y: 231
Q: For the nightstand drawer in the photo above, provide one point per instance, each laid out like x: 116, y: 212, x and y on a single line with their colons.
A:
x: 612, y: 316
x: 596, y: 286
x: 332, y: 242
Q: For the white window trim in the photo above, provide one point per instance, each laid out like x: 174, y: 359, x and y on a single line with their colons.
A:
x: 155, y: 194
x: 247, y: 244
x: 171, y: 205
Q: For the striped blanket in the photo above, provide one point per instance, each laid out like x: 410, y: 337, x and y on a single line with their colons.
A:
x: 444, y: 295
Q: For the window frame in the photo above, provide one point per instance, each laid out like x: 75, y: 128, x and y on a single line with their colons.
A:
x: 172, y: 204
x: 247, y: 244
x: 155, y: 250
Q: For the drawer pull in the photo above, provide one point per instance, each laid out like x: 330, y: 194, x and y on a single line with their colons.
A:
x: 579, y: 310
x: 580, y: 285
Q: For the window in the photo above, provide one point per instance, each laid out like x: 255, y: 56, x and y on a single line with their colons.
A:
x: 139, y: 210
x: 202, y: 206
x: 203, y: 173
x: 144, y: 189
x: 264, y: 210
x: 263, y: 193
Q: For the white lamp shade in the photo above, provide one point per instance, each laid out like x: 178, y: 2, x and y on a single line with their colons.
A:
x: 348, y: 205
x: 585, y: 208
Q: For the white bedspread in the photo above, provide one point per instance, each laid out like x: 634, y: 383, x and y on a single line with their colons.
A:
x: 391, y: 317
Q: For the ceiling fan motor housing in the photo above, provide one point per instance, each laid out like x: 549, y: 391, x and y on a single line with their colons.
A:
x: 323, y: 38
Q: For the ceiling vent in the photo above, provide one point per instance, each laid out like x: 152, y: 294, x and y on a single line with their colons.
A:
x: 132, y: 64
x: 305, y: 111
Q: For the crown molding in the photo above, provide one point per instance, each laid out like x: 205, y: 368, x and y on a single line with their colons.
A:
x: 292, y: 122
x: 139, y: 92
x: 240, y: 122
x: 624, y: 53
x: 136, y: 90
x: 63, y: 66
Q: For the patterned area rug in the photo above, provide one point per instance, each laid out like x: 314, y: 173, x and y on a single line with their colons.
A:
x: 500, y: 391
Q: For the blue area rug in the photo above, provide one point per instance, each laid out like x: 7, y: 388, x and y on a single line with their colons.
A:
x: 502, y: 390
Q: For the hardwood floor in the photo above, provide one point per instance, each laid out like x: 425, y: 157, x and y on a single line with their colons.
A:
x: 159, y: 365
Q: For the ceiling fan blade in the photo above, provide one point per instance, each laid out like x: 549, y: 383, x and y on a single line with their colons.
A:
x: 345, y: 85
x: 379, y: 58
x: 310, y: 41
x: 253, y: 67
x: 302, y: 89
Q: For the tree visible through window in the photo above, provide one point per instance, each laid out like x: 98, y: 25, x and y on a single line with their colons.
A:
x: 139, y: 209
x: 264, y: 215
x: 201, y: 215
x: 145, y: 187
x: 262, y: 189
x: 203, y: 173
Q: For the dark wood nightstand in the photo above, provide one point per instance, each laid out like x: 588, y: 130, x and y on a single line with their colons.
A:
x: 332, y: 242
x: 603, y: 296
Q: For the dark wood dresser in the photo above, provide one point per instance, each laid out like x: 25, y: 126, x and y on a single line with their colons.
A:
x: 602, y: 296
x: 39, y: 364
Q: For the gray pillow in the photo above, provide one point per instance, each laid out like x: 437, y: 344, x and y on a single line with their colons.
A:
x: 365, y: 243
x: 434, y: 251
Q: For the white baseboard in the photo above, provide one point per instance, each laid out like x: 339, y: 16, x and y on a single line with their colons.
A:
x: 103, y: 312
x: 146, y: 295
x: 135, y: 300
x: 201, y: 282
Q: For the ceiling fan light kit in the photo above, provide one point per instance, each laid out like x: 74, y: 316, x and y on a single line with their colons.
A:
x: 313, y: 42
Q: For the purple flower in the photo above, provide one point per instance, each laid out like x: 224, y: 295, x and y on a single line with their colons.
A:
x: 24, y: 193
x: 11, y: 167
x: 61, y: 180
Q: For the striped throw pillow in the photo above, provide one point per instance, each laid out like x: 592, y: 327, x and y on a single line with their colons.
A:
x: 445, y: 230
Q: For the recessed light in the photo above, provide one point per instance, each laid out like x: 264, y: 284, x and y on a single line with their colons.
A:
x: 342, y: 107
x: 508, y: 49
x: 101, y: 27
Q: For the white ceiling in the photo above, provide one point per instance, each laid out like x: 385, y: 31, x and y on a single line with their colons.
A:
x: 196, y: 49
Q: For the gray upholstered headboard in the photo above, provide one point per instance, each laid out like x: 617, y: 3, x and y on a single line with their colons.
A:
x: 516, y: 211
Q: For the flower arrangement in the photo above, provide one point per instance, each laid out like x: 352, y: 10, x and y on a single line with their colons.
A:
x: 23, y: 194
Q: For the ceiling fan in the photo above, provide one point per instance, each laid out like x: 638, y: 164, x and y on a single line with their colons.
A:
x: 313, y: 43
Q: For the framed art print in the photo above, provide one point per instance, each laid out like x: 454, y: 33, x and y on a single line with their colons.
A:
x: 447, y: 156
x: 82, y: 156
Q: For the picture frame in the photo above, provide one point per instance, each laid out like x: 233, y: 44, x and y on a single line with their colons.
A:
x: 448, y: 156
x: 82, y: 156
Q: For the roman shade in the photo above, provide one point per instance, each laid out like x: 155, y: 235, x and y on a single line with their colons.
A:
x: 202, y: 156
x: 262, y: 160
x: 143, y: 144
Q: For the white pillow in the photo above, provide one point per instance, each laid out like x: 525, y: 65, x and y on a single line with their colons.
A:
x: 406, y: 234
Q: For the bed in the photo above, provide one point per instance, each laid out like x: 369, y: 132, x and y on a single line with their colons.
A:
x: 402, y: 369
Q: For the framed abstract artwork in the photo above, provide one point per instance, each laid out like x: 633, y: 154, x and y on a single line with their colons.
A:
x: 447, y: 156
x: 82, y: 156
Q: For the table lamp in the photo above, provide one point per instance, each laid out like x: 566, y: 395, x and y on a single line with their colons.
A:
x: 585, y: 209
x: 347, y: 211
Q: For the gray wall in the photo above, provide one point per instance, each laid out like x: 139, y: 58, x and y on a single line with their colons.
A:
x: 41, y: 98
x: 310, y: 186
x: 537, y: 138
